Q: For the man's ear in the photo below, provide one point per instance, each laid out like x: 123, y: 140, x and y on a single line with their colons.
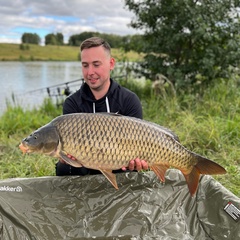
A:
x: 112, y: 63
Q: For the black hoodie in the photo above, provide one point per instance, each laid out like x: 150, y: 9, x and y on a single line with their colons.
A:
x: 117, y: 100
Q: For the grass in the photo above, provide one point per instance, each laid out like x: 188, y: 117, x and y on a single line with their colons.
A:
x: 13, y: 52
x: 16, y: 124
x: 207, y: 124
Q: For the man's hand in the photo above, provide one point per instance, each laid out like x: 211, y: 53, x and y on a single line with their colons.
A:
x: 136, y: 164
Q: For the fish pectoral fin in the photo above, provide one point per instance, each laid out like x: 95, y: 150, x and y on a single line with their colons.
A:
x: 110, y: 176
x: 68, y: 160
x: 160, y: 171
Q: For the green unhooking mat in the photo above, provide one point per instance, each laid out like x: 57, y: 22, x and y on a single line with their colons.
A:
x: 88, y: 207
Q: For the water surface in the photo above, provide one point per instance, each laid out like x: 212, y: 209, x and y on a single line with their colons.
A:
x: 28, y: 81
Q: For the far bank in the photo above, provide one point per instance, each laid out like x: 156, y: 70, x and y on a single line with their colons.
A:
x: 32, y: 52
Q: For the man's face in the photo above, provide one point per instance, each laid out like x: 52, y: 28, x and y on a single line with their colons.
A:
x: 96, y: 67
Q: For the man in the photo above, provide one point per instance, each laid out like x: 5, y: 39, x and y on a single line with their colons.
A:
x: 100, y: 93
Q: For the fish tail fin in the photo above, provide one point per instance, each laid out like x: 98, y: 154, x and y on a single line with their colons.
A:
x: 207, y: 166
x: 203, y: 166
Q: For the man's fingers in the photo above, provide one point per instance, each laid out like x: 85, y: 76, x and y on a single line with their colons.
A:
x: 144, y: 165
x: 131, y: 165
x: 138, y: 164
x: 71, y: 157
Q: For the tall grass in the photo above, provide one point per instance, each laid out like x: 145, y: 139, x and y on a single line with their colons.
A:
x: 207, y: 124
x: 15, y: 124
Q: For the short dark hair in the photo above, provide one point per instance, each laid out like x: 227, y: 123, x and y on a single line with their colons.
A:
x: 95, y: 42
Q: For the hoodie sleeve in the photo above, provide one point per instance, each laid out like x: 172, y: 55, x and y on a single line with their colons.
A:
x: 70, y: 104
x: 131, y: 105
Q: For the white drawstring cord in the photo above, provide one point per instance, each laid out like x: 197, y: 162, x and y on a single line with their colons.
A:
x: 107, y: 105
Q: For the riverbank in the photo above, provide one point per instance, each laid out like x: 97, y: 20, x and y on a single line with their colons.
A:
x: 32, y: 52
x: 207, y: 125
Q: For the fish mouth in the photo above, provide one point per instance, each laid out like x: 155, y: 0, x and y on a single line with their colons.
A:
x: 24, y: 148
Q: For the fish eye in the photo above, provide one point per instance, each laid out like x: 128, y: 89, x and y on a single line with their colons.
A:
x: 35, y: 136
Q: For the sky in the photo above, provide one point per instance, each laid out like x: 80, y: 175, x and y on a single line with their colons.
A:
x: 68, y: 17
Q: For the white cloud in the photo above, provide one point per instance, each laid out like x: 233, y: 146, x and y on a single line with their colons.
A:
x: 66, y: 16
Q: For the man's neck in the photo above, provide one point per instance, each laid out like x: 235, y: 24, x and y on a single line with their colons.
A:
x: 101, y: 92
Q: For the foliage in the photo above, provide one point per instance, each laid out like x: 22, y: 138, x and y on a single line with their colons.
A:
x: 54, y: 39
x: 31, y: 38
x: 189, y: 42
x: 133, y: 42
x: 115, y: 41
x: 76, y: 39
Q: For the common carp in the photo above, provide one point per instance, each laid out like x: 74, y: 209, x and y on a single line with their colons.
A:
x: 108, y: 142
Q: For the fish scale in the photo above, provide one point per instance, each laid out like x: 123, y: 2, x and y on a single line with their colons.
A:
x: 109, y: 141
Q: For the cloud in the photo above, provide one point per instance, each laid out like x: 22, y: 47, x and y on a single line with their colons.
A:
x: 66, y: 16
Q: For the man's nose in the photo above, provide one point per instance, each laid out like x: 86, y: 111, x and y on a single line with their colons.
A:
x: 91, y: 69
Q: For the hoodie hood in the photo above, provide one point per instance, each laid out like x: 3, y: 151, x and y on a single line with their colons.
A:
x: 117, y: 100
x: 87, y: 95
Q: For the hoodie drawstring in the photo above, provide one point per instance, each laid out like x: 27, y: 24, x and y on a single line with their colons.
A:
x: 107, y: 106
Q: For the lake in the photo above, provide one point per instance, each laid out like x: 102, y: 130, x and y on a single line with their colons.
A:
x: 28, y: 81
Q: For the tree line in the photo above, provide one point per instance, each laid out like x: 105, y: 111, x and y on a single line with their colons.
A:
x: 115, y: 41
x: 189, y: 43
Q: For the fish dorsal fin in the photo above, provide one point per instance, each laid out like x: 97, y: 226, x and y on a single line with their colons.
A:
x: 169, y: 132
x: 155, y: 125
x: 166, y: 131
x: 110, y: 114
x: 163, y: 129
x: 110, y: 176
x: 160, y: 171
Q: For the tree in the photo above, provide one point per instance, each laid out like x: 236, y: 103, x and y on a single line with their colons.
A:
x: 133, y: 42
x: 188, y: 41
x: 114, y: 40
x: 31, y: 38
x: 75, y: 40
x: 60, y: 38
x: 54, y: 39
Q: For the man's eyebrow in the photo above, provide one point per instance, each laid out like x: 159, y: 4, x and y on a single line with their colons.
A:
x: 97, y: 61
